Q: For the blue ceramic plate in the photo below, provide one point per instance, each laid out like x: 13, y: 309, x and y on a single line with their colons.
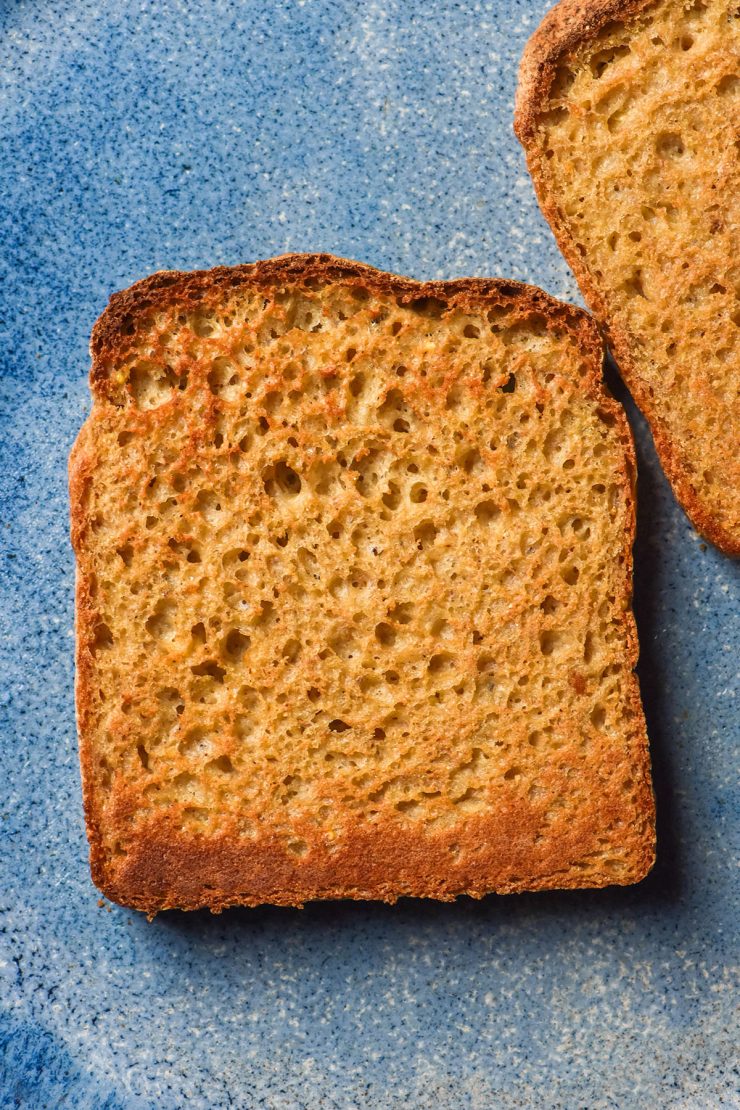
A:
x: 138, y: 136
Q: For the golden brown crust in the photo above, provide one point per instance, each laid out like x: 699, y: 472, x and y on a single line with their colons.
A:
x: 160, y: 866
x: 167, y: 871
x: 570, y: 25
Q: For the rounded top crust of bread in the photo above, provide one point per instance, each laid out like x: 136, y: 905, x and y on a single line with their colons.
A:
x: 565, y: 27
x: 196, y: 288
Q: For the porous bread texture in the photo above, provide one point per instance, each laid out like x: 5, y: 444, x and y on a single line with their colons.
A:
x: 630, y: 117
x: 353, y: 603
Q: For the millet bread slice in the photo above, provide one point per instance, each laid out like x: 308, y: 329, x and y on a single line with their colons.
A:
x: 629, y: 113
x: 353, y: 597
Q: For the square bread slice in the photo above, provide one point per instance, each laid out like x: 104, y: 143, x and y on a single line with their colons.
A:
x: 353, y: 597
x: 629, y: 113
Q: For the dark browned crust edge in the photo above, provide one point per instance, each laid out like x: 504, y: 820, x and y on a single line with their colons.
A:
x: 566, y: 27
x: 157, y: 872
x: 111, y: 332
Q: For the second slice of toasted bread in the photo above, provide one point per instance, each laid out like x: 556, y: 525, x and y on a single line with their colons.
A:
x: 353, y: 602
x: 629, y: 116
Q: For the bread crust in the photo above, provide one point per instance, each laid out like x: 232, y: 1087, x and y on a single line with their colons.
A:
x: 566, y: 27
x: 162, y: 868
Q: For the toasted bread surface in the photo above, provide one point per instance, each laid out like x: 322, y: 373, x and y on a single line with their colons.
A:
x: 628, y: 112
x: 353, y: 596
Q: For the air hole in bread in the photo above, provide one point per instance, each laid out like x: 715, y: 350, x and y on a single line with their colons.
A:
x: 486, y: 512
x: 598, y: 717
x: 471, y: 460
x: 551, y: 641
x: 102, y: 638
x: 669, y: 144
x: 425, y: 534
x: 222, y: 764
x: 198, y: 632
x: 600, y: 61
x: 152, y: 385
x: 431, y: 307
x: 385, y: 634
x: 126, y: 554
x: 209, y: 669
x: 161, y: 623
x: 728, y: 85
x: 236, y: 644
x: 440, y: 662
x: 392, y: 497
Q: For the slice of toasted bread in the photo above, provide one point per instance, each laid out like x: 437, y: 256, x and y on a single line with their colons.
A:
x: 629, y: 114
x: 353, y: 601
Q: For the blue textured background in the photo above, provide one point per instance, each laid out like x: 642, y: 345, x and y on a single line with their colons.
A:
x: 137, y: 136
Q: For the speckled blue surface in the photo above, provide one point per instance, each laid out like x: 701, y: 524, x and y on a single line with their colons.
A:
x: 138, y: 136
